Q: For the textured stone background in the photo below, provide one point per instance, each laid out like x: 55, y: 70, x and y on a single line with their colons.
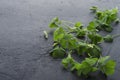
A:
x: 23, y: 50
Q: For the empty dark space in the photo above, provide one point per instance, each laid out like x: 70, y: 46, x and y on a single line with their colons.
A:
x: 23, y: 49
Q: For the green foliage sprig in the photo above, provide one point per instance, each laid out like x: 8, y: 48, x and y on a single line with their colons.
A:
x: 90, y: 65
x: 73, y: 38
x: 104, y: 19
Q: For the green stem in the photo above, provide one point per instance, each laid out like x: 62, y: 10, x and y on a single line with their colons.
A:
x: 117, y: 35
x: 97, y: 63
x: 67, y: 22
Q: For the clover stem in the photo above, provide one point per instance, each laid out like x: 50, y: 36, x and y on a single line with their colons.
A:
x: 117, y: 35
x: 67, y: 22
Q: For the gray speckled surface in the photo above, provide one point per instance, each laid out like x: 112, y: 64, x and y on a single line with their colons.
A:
x: 23, y: 50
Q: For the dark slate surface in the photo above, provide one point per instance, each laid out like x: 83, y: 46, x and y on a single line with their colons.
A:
x: 23, y: 50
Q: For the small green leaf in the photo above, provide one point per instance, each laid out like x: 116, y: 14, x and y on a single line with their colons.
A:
x: 108, y: 38
x: 59, y: 34
x: 54, y: 23
x: 81, y: 33
x: 78, y: 24
x: 58, y: 52
x: 94, y: 8
x: 68, y: 62
x: 103, y: 60
x: 92, y: 26
x: 85, y: 67
x: 95, y: 51
x: 99, y: 14
x: 95, y: 38
x: 107, y: 28
x: 84, y: 48
x: 68, y: 42
x: 117, y: 20
x: 91, y: 61
x: 109, y: 67
x: 94, y: 69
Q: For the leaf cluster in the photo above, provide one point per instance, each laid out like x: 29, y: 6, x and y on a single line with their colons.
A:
x: 104, y: 19
x: 90, y: 65
x: 73, y: 38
